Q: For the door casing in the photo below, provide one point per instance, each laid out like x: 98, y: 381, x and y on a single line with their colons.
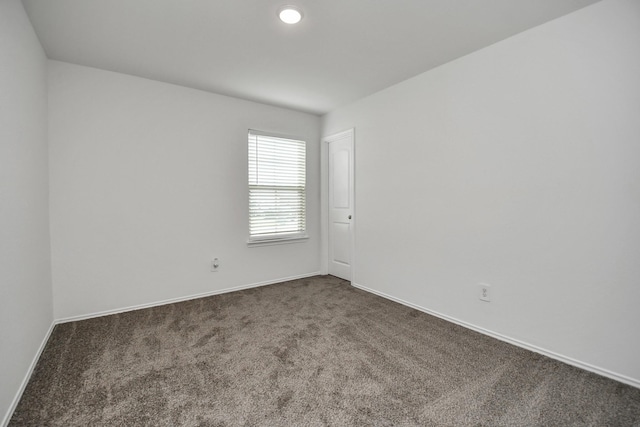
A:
x: 325, y: 217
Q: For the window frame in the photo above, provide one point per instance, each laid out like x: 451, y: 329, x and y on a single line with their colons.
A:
x: 274, y: 238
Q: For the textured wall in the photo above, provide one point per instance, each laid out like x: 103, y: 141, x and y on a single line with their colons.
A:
x: 25, y: 269
x: 518, y: 166
x: 149, y: 182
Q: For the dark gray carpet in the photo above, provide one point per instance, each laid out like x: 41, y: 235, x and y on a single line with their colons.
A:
x: 307, y: 352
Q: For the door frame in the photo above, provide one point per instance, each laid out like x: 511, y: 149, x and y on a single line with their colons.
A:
x: 324, y: 200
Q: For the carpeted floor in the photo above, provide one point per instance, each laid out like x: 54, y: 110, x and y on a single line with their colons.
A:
x: 304, y: 353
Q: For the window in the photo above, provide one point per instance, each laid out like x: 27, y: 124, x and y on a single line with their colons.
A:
x: 277, y: 176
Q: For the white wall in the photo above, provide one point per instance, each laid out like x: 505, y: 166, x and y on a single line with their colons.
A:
x: 518, y: 166
x: 149, y: 182
x: 25, y: 269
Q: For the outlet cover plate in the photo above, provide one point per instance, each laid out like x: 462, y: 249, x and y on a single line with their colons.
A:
x: 484, y: 292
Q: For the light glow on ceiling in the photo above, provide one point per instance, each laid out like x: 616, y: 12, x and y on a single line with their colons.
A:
x: 290, y: 14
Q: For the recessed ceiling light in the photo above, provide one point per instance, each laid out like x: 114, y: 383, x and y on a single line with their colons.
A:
x: 290, y: 14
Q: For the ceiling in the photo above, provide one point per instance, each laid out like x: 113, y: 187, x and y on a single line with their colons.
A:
x: 342, y: 50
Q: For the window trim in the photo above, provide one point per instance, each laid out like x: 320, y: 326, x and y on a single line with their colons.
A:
x: 293, y: 238
x: 285, y: 238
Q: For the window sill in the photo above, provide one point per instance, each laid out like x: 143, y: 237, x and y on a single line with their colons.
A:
x: 277, y: 241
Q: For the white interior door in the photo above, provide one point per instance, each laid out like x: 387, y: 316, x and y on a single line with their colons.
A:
x: 341, y: 201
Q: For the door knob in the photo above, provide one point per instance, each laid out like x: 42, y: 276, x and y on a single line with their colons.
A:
x: 349, y: 216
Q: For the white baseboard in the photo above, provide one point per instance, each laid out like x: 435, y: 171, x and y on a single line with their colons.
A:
x: 181, y: 299
x: 586, y: 366
x: 568, y: 360
x: 27, y: 377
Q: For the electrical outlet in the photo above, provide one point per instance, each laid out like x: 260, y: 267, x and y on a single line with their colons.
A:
x: 485, y: 292
x: 215, y: 264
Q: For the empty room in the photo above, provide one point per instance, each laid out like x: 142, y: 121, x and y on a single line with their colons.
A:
x: 307, y: 213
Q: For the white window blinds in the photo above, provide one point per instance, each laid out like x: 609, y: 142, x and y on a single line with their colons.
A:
x: 276, y: 187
